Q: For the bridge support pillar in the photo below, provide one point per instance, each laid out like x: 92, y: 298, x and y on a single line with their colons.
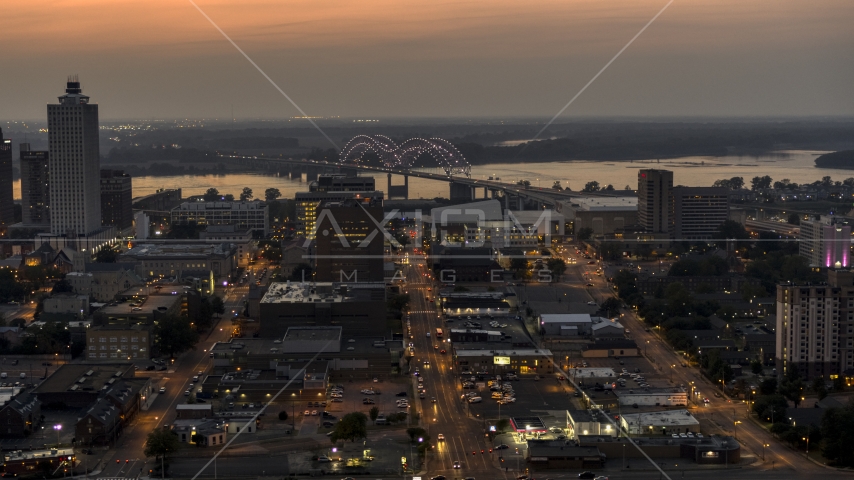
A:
x: 521, y: 203
x: 398, y: 191
x: 461, y: 191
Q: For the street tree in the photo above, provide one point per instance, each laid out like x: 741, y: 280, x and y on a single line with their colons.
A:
x: 374, y: 413
x: 557, y: 266
x: 175, y: 335
x: 246, y: 194
x: 352, y: 427
x: 161, y: 442
x: 611, y: 306
x: 218, y: 305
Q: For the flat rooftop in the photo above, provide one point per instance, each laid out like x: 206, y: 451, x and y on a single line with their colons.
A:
x: 516, y: 352
x: 669, y: 417
x: 36, y: 454
x: 649, y: 391
x: 183, y: 250
x: 297, y: 334
x: 565, y: 318
x: 298, y: 292
x: 604, y: 204
x: 273, y: 346
x: 146, y: 305
x: 591, y: 372
x: 86, y: 377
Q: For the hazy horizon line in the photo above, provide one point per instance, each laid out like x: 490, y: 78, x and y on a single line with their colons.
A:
x: 533, y: 120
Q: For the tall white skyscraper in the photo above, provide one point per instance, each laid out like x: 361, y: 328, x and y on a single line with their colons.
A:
x: 75, y: 163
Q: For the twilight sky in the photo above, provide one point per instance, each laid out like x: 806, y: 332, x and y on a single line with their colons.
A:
x: 380, y: 58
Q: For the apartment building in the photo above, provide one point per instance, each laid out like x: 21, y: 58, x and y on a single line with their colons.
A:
x: 826, y: 242
x: 815, y: 327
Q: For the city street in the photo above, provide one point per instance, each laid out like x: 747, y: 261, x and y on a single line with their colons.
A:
x: 129, y: 452
x: 721, y: 411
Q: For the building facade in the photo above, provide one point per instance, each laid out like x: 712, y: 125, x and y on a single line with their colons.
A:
x: 307, y: 204
x: 815, y: 327
x: 342, y: 183
x: 114, y: 343
x: 655, y: 208
x: 7, y: 206
x: 74, y: 163
x: 826, y: 242
x: 182, y: 260
x: 243, y: 238
x: 358, y: 309
x: 116, y: 200
x: 35, y: 186
x: 699, y: 211
x: 242, y: 214
x: 350, y: 247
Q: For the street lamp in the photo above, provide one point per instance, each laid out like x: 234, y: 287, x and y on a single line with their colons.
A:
x: 58, y: 428
x: 763, y: 450
x: 735, y: 428
x: 807, y: 438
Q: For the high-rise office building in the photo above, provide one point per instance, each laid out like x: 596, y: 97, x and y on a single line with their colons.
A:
x: 331, y: 188
x: 116, y: 199
x: 655, y: 200
x: 307, y: 203
x: 7, y: 206
x: 35, y: 186
x: 349, y: 242
x: 75, y: 164
x: 826, y: 242
x: 699, y: 211
x: 815, y: 327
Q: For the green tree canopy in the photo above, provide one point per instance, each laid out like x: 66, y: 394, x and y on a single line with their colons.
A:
x: 161, y: 442
x: 175, y: 335
x: 352, y: 427
x: 271, y: 194
x: 557, y: 266
x: 211, y: 195
x: 246, y: 194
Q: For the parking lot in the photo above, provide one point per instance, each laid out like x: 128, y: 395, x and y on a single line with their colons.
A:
x: 545, y: 394
x: 384, y: 397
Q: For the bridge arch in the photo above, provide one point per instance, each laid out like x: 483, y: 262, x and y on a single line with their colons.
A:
x: 405, y: 155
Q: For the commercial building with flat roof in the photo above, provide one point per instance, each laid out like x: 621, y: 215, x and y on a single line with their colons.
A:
x: 717, y: 450
x: 699, y: 211
x: 78, y: 385
x: 603, y: 215
x: 663, y: 423
x: 350, y: 245
x: 307, y: 203
x: 116, y: 200
x: 360, y: 309
x: 342, y: 183
x: 566, y: 324
x: 183, y: 260
x: 524, y: 361
x: 135, y: 306
x: 242, y: 214
x: 30, y: 462
x: 242, y: 237
x: 659, y: 397
x: 117, y: 342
